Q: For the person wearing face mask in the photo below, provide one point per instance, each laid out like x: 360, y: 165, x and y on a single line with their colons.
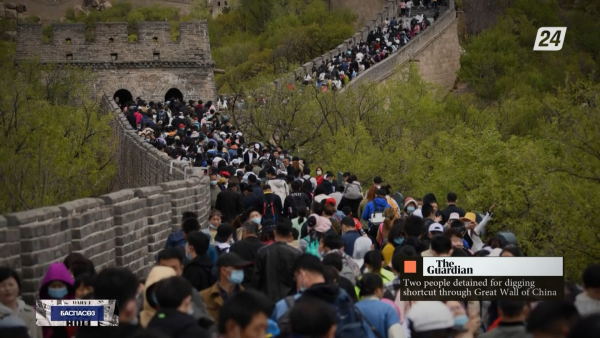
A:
x: 248, y: 247
x: 382, y: 317
x: 245, y: 315
x: 214, y: 220
x: 214, y: 190
x: 410, y: 205
x: 174, y: 317
x: 319, y: 178
x: 395, y: 238
x: 12, y: 306
x: 57, y: 284
x: 199, y: 269
x: 231, y: 275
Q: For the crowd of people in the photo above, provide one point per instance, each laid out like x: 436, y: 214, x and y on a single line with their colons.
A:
x: 290, y: 252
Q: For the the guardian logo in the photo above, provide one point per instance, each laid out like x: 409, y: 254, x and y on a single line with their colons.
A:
x: 78, y: 313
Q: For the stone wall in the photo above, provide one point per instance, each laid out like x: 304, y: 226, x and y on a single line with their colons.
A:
x: 436, y: 51
x: 147, y: 68
x: 124, y: 228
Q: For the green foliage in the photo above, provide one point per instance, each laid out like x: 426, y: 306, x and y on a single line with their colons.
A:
x: 53, y: 137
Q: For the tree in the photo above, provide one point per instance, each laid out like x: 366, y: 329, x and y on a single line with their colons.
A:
x: 53, y: 136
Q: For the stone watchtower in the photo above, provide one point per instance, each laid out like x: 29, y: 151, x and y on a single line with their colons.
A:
x: 154, y: 67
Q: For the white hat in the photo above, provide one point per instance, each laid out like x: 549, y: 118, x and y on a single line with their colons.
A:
x: 454, y: 216
x: 418, y: 213
x: 436, y: 227
x: 496, y: 252
x: 430, y: 315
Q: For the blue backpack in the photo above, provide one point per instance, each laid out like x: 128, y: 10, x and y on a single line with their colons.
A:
x: 350, y: 321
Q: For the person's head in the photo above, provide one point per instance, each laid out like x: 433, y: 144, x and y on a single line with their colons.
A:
x: 431, y: 319
x: 435, y: 229
x: 371, y: 193
x: 244, y: 315
x: 72, y: 257
x: 329, y: 176
x: 84, y: 284
x: 396, y: 235
x: 332, y: 242
x: 371, y: 285
x: 456, y: 238
x: 374, y: 261
x: 308, y: 270
x: 174, y: 293
x: 427, y: 211
x: 224, y: 233
x: 441, y: 246
x: 414, y: 226
x: 190, y: 225
x: 312, y: 317
x: 172, y: 258
x: 267, y: 188
x: 81, y: 266
x: 231, y: 268
x: 10, y: 285
x: 512, y: 310
x: 283, y: 231
x: 588, y: 327
x: 552, y: 319
x: 214, y: 219
x: 197, y: 244
x: 250, y: 228
x: 591, y: 281
x: 122, y: 285
x: 451, y: 198
x: 335, y: 261
x: 348, y: 224
x: 347, y: 211
x: 511, y: 251
x: 319, y: 171
x: 377, y: 181
x: 296, y: 186
x: 380, y: 193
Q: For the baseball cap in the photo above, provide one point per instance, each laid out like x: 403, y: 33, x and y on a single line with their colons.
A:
x: 223, y: 232
x: 429, y: 316
x: 454, y: 216
x: 181, y: 125
x: 330, y: 200
x: 231, y: 259
x: 436, y: 227
x: 469, y: 216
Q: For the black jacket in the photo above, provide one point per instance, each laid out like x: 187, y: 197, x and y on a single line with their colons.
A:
x: 176, y: 324
x: 247, y: 249
x: 253, y: 202
x: 450, y: 209
x: 273, y: 273
x: 199, y: 273
x: 247, y: 159
x: 230, y: 204
x: 294, y: 202
x: 131, y: 119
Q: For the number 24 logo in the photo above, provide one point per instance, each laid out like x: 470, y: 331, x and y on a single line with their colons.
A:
x: 556, y: 35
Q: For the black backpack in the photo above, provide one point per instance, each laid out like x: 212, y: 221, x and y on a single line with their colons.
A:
x: 269, y: 208
x: 298, y: 203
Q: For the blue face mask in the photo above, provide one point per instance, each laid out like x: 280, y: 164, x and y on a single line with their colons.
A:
x: 213, y: 183
x: 58, y: 293
x: 399, y: 240
x: 188, y: 256
x: 410, y: 209
x: 190, y: 311
x: 257, y: 220
x: 461, y: 320
x: 237, y: 277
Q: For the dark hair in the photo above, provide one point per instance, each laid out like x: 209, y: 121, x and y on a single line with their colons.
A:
x: 317, y: 208
x: 396, y: 231
x: 116, y: 283
x: 451, y: 197
x: 250, y: 227
x: 548, y: 316
x: 511, y: 308
x: 266, y: 187
x: 588, y: 327
x: 170, y: 253
x: 452, y: 232
x: 189, y: 214
x: 283, y: 227
x: 333, y: 242
x: 171, y: 292
x: 339, y: 188
x: 302, y: 213
x: 311, y: 317
x: 347, y: 211
x: 295, y: 233
x: 414, y: 226
x: 84, y: 279
x: 481, y: 253
x: 591, y: 276
x: 71, y: 258
x: 242, y: 308
x: 252, y: 178
x: 334, y: 260
x: 296, y: 185
x: 6, y: 273
x: 309, y: 263
x: 407, y: 251
x: 374, y: 258
x: 199, y: 242
x: 249, y: 188
x: 377, y: 180
x: 348, y: 222
x: 427, y: 210
x: 81, y: 266
x: 513, y: 249
x: 190, y: 225
x: 330, y: 273
x: 441, y: 244
x: 369, y: 283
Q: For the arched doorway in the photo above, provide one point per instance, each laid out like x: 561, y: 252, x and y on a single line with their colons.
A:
x: 174, y: 93
x: 124, y: 96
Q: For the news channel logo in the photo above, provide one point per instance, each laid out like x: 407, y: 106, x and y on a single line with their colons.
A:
x: 75, y: 312
x: 550, y: 38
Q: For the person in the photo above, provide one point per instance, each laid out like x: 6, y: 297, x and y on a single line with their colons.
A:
x: 451, y: 207
x: 121, y: 285
x: 251, y: 200
x: 299, y: 221
x: 248, y: 247
x: 588, y: 302
x: 513, y: 314
x: 334, y: 245
x: 223, y: 238
x: 198, y: 270
x: 296, y: 202
x: 395, y: 237
x: 374, y: 263
x: 373, y: 212
x: 273, y: 274
x: 350, y: 235
x: 552, y: 319
x: 272, y: 207
x: 312, y: 317
x: 377, y: 182
x: 433, y: 230
x: 380, y: 315
x: 336, y: 263
x: 83, y: 285
x: 430, y: 319
x: 441, y: 246
x: 319, y: 178
x: 338, y: 194
x: 57, y: 284
x: 475, y: 230
x: 389, y: 215
x: 361, y: 247
x: 278, y: 186
x: 231, y: 275
x: 511, y: 250
x: 174, y: 301
x: 189, y: 223
x: 229, y: 202
x: 353, y: 195
x: 157, y: 274
x: 11, y: 304
x: 369, y: 197
x: 588, y: 327
x: 80, y: 266
x: 245, y: 315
